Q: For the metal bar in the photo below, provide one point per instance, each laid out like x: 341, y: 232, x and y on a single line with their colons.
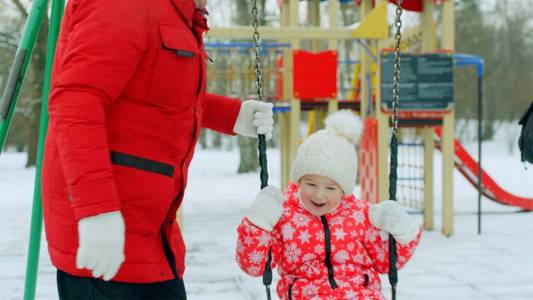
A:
x: 36, y: 215
x: 479, y: 147
x: 285, y: 33
x: 12, y: 82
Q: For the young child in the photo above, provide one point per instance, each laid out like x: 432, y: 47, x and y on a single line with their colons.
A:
x: 325, y: 243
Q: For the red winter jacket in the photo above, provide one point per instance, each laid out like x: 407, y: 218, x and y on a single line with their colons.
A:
x: 337, y: 256
x: 126, y: 107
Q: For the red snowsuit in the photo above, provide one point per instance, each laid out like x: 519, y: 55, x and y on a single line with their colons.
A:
x: 126, y: 107
x: 336, y: 256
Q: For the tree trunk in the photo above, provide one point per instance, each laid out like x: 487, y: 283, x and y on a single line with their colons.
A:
x: 203, y: 138
x: 248, y: 150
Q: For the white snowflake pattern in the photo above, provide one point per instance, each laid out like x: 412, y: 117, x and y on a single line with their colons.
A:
x: 359, y: 217
x: 350, y: 295
x: 319, y: 249
x: 304, y: 236
x: 301, y: 220
x: 336, y: 221
x: 350, y: 246
x: 308, y: 256
x: 311, y: 269
x: 372, y: 235
x: 339, y: 234
x: 360, y: 204
x: 341, y: 257
x: 381, y: 255
x: 358, y: 258
x: 253, y: 270
x: 264, y: 239
x: 309, y: 290
x: 350, y: 268
x: 255, y: 257
x: 292, y: 252
x: 287, y: 231
x: 248, y: 240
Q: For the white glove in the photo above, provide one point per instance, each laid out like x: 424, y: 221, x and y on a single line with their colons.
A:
x: 267, y: 208
x: 101, y: 244
x: 391, y: 217
x: 255, y: 117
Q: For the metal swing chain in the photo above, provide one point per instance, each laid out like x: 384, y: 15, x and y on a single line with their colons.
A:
x: 393, y: 272
x: 267, y: 273
x: 259, y: 82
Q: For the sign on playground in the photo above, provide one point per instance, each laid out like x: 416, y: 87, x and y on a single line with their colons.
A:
x: 426, y: 81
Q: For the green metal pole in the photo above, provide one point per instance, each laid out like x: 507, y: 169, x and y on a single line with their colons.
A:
x: 18, y: 70
x: 36, y: 215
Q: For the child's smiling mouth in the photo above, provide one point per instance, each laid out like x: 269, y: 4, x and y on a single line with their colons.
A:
x: 319, y: 205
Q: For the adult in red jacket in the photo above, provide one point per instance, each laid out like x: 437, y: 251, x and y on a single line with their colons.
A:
x: 127, y: 104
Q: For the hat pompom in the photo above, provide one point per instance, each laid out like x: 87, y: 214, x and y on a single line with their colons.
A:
x: 346, y: 125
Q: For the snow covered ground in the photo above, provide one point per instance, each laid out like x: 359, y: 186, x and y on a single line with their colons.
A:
x: 495, y: 265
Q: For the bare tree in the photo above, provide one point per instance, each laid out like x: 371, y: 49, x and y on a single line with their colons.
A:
x: 29, y: 106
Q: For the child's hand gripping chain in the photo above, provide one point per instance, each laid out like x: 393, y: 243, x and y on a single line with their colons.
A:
x: 391, y: 217
x: 267, y: 208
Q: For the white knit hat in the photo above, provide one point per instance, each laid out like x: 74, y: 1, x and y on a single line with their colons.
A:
x: 330, y: 152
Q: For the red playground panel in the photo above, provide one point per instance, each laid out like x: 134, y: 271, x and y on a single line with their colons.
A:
x: 411, y: 5
x: 368, y: 162
x: 315, y: 75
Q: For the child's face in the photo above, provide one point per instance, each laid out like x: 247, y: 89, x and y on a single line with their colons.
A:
x: 319, y: 194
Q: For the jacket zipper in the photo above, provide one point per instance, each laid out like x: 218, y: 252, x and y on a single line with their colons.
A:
x: 327, y: 240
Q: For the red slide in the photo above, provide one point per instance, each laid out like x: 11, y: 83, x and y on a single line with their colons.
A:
x: 490, y: 189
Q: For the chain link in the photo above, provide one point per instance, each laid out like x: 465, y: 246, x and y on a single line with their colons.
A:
x: 393, y: 272
x: 257, y: 42
x: 396, y: 76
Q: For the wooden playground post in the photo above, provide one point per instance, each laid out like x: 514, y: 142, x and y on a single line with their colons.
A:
x: 382, y: 130
x: 333, y: 103
x: 429, y: 203
x: 366, y: 65
x: 448, y: 34
x: 429, y: 37
x: 295, y: 113
x: 284, y: 117
x: 313, y: 18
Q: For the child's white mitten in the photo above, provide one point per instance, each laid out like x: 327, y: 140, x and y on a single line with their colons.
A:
x: 391, y: 217
x: 267, y: 208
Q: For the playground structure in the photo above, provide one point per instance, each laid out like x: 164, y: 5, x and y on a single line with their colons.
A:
x: 371, y: 37
x: 286, y: 83
x: 420, y: 119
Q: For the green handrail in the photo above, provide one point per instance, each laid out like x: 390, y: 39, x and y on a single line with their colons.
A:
x: 36, y: 216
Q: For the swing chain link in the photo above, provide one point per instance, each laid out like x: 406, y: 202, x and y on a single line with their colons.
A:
x: 393, y: 272
x: 267, y: 273
x: 257, y: 40
x: 396, y: 75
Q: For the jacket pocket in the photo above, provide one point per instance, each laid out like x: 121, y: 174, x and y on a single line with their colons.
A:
x: 127, y: 160
x: 146, y: 188
x: 174, y: 39
x: 177, y: 73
